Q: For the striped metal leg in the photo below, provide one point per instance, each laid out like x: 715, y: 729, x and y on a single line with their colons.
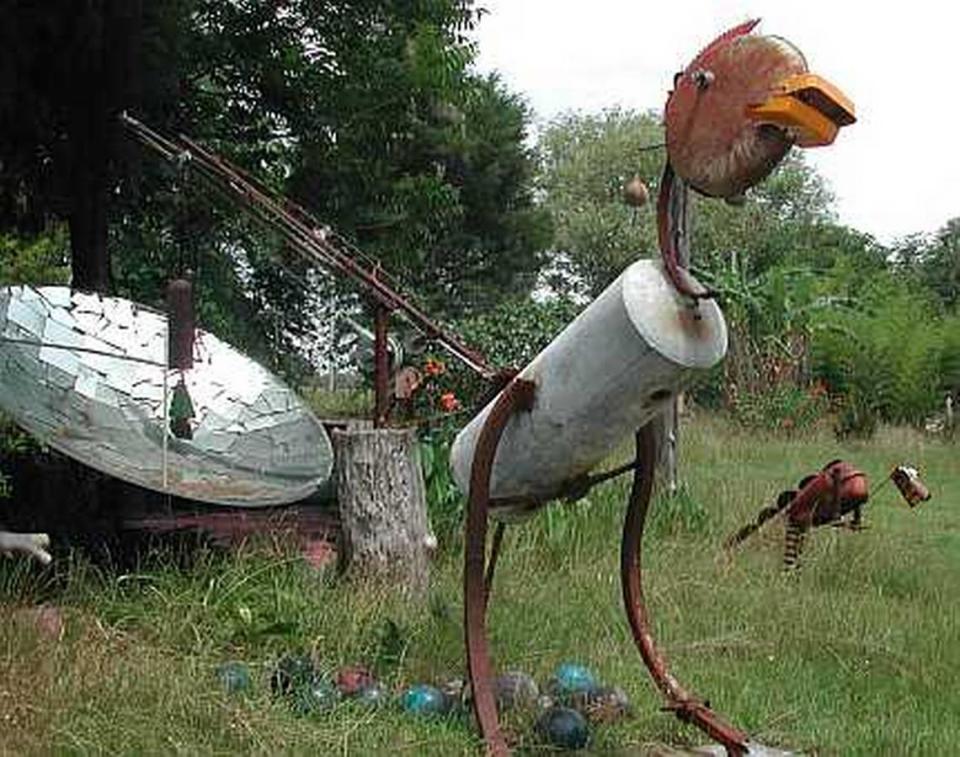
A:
x: 793, y: 545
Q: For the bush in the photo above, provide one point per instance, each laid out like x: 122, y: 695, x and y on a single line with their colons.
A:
x: 783, y: 407
x: 43, y: 259
x: 885, y: 361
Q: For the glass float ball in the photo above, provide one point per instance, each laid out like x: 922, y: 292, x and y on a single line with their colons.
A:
x: 234, y: 677
x: 374, y: 694
x: 292, y: 672
x: 564, y: 728
x: 316, y: 697
x: 603, y: 704
x: 424, y: 699
x: 515, y: 690
x: 351, y: 680
x: 571, y: 678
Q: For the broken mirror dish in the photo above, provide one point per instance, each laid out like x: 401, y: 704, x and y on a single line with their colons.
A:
x: 87, y: 375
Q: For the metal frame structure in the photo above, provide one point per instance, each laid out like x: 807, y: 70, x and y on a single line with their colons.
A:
x: 318, y: 244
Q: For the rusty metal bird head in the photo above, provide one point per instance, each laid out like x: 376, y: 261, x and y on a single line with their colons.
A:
x: 907, y: 480
x: 736, y: 110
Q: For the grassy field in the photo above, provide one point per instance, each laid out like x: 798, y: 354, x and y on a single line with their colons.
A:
x: 856, y: 655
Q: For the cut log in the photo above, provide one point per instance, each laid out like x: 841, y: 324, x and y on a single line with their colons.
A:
x: 385, y: 531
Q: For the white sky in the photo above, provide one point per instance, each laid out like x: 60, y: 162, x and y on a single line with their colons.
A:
x: 895, y: 172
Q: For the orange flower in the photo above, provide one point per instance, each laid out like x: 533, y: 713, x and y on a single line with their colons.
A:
x: 434, y: 367
x: 449, y: 402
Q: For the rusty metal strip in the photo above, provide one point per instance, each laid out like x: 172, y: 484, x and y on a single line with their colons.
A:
x: 492, y: 562
x: 381, y: 367
x: 517, y: 396
x: 679, y: 700
x: 306, y: 236
x: 666, y: 238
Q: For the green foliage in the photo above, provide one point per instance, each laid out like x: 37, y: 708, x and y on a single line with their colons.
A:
x: 885, y: 358
x: 13, y: 442
x: 366, y: 113
x: 445, y: 501
x: 514, y: 332
x: 677, y: 513
x: 782, y: 407
x: 40, y: 259
x: 586, y: 161
x: 509, y: 336
x: 934, y: 261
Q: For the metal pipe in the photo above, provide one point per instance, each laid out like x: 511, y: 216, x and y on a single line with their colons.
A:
x: 318, y: 243
x: 679, y: 700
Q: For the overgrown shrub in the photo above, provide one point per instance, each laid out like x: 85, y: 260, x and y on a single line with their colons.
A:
x: 43, y: 259
x: 783, y: 407
x: 885, y: 360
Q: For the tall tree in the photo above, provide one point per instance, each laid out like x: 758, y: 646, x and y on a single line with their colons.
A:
x: 366, y: 113
x: 586, y: 161
x: 70, y: 69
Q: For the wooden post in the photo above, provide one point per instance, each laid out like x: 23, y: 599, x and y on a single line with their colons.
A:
x: 666, y: 431
x: 381, y: 366
x: 383, y: 512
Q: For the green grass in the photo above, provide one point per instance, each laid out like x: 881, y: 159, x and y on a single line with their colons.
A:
x: 856, y: 655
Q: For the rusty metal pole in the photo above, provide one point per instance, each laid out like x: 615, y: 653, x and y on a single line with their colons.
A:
x: 686, y: 706
x: 517, y: 396
x: 381, y: 366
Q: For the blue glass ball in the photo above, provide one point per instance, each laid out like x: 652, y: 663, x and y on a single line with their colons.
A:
x: 234, y: 677
x: 424, y: 699
x: 564, y: 728
x: 571, y: 678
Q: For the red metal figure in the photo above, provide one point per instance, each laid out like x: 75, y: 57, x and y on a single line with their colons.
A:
x: 826, y: 498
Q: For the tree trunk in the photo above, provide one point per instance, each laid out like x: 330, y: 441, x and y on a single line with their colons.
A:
x: 105, y: 79
x: 383, y: 513
x: 88, y: 130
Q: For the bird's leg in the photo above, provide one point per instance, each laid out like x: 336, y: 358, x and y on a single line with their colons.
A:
x: 793, y: 544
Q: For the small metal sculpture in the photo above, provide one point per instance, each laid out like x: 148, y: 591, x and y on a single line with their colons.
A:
x: 826, y: 498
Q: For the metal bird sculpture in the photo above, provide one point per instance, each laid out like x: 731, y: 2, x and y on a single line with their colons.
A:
x: 733, y: 114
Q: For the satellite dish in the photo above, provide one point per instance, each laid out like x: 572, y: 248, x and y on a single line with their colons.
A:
x: 87, y: 375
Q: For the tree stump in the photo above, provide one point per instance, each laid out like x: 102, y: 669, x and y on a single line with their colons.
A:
x: 385, y: 531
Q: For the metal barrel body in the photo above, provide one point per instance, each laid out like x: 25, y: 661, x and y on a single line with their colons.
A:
x: 610, y: 371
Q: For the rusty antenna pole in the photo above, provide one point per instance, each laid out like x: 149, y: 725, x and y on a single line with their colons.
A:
x: 317, y: 243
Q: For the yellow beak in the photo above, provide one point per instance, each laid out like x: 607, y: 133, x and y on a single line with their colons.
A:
x: 807, y: 107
